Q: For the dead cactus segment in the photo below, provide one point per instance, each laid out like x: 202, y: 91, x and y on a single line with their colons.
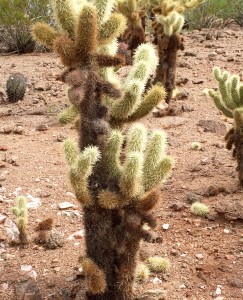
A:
x: 96, y: 278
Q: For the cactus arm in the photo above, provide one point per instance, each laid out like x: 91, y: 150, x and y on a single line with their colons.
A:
x: 219, y: 103
x: 65, y: 15
x: 64, y: 46
x: 160, y: 173
x: 112, y: 28
x: 104, y: 9
x: 136, y: 139
x: 44, y: 34
x: 86, y: 34
x: 68, y: 115
x: 145, y: 62
x: 152, y: 98
x: 113, y: 153
x: 130, y: 181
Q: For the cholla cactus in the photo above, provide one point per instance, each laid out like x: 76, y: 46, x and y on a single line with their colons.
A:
x: 229, y: 100
x: 116, y: 194
x: 169, y: 20
x: 135, y: 32
x: 21, y: 213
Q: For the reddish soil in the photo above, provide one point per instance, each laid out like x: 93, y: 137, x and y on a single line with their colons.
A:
x: 204, y: 252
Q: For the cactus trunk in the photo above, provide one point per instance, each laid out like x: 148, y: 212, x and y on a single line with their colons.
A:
x: 102, y: 225
x: 168, y: 47
x: 239, y: 155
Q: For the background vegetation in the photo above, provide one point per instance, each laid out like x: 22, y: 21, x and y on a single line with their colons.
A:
x: 16, y: 17
x: 215, y: 13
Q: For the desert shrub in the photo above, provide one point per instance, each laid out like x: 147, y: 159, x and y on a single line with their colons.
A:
x: 213, y: 13
x: 16, y: 17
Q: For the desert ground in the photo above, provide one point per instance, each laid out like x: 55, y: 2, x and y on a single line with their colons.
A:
x: 206, y: 254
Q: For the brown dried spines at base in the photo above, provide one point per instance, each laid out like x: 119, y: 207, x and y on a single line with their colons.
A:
x: 23, y: 235
x: 111, y: 200
x: 46, y: 224
x: 42, y: 236
x: 230, y: 138
x: 148, y: 200
x: 96, y: 279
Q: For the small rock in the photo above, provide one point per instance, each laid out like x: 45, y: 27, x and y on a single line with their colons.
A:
x: 170, y: 122
x: 153, y: 295
x: 55, y: 240
x: 192, y: 197
x: 8, y: 128
x: 226, y: 231
x: 199, y: 256
x: 27, y: 291
x: 71, y: 278
x: 42, y: 127
x: 212, y: 126
x: 197, y: 81
x: 178, y: 206
x: 65, y: 205
x: 218, y: 291
x: 231, y: 210
x: 165, y: 226
x: 214, y: 191
x: 3, y: 148
x: 18, y: 129
x: 60, y: 137
x: 182, y: 81
x: 236, y: 283
x: 41, y: 86
x: 187, y: 108
x: 156, y: 280
x: 182, y: 95
x: 190, y: 53
x: 230, y: 58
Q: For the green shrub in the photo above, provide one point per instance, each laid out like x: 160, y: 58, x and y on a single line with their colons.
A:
x: 16, y: 17
x: 213, y: 13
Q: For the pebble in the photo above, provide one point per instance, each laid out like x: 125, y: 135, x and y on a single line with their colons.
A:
x: 199, y: 256
x: 165, y: 226
x: 156, y: 280
x: 65, y: 205
x: 226, y: 231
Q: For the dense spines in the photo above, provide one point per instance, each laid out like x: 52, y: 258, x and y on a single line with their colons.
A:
x: 133, y: 105
x: 113, y: 152
x: 145, y: 164
x: 95, y: 277
x: 21, y: 213
x: 228, y: 97
x: 112, y: 28
x: 81, y: 165
x: 86, y: 40
x: 64, y: 15
x: 172, y: 23
x: 44, y: 34
x: 229, y: 100
x: 107, y: 174
x: 68, y: 115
